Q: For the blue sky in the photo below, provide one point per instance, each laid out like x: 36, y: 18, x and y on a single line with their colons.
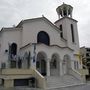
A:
x: 13, y: 11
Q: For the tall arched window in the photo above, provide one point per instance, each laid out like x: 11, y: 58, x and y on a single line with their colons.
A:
x: 14, y: 49
x: 72, y: 33
x: 12, y: 55
x: 43, y: 37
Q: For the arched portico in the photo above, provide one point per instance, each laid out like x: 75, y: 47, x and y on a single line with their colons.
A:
x: 55, y: 65
x: 66, y: 64
x: 41, y: 63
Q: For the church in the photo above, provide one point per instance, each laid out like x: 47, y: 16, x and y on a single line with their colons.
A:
x: 41, y: 54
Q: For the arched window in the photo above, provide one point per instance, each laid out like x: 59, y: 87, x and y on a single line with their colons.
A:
x: 43, y: 37
x: 14, y: 49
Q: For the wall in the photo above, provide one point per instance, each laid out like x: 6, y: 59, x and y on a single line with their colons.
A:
x: 66, y: 22
x: 49, y: 51
x: 31, y: 29
x: 8, y: 37
x: 10, y: 74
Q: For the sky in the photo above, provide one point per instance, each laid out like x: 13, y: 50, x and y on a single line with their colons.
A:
x: 13, y: 11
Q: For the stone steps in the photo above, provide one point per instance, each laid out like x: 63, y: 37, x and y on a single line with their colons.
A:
x: 53, y: 83
x: 64, y: 81
x: 77, y: 87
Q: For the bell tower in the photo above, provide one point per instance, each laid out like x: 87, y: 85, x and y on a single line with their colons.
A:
x: 64, y: 11
x: 67, y: 26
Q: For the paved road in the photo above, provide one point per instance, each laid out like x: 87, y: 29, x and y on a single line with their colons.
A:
x: 81, y: 87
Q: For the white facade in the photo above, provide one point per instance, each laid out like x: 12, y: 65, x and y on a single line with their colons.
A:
x: 52, y: 59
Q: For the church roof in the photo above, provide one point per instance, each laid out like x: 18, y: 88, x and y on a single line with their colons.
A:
x: 39, y: 18
x: 10, y: 29
x: 34, y: 19
x: 20, y: 25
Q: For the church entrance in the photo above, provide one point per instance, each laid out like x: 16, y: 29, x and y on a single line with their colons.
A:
x: 41, y: 63
x: 66, y: 64
x: 54, y: 65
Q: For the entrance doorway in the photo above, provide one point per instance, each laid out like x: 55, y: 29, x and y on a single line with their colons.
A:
x: 66, y: 64
x: 41, y: 63
x: 55, y: 65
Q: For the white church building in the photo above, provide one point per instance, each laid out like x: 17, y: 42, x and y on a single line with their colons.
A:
x: 37, y: 48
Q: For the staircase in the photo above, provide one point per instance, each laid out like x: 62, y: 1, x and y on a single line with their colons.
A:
x: 53, y: 83
x: 63, y: 81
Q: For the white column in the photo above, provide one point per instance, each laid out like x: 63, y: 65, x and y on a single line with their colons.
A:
x: 62, y: 13
x: 71, y: 13
x: 33, y: 64
x: 48, y: 68
x: 58, y: 16
x: 67, y: 12
x: 61, y: 69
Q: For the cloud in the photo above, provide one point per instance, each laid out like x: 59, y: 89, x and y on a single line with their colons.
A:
x: 13, y: 11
